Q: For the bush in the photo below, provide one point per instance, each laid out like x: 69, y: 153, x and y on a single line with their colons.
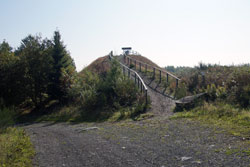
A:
x: 239, y: 87
x: 7, y: 117
x: 110, y: 93
x: 230, y: 84
x: 15, y: 148
x: 181, y: 91
x: 125, y: 91
x: 211, y: 92
x: 82, y: 86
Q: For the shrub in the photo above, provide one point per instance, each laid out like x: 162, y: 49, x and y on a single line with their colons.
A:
x: 181, y: 91
x: 227, y: 83
x: 125, y: 91
x: 108, y: 94
x: 211, y: 92
x: 15, y: 148
x: 7, y: 117
x: 82, y: 86
x: 239, y: 86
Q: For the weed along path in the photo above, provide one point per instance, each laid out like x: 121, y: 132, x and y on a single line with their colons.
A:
x: 153, y: 142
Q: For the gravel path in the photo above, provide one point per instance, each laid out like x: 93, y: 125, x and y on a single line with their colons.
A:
x: 153, y: 142
x: 161, y: 104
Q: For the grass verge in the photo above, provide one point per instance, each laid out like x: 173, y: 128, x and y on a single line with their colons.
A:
x: 76, y: 114
x: 233, y: 119
x: 15, y: 146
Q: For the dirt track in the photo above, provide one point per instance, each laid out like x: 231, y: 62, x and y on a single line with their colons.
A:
x: 154, y: 142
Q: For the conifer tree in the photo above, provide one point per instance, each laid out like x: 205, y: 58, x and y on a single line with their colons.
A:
x: 63, y: 67
x: 7, y: 68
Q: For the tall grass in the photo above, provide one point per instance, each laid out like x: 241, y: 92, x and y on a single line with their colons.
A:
x: 235, y: 119
x: 7, y: 117
x: 15, y: 146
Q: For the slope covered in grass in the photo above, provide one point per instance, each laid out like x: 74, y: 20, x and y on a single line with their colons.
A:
x: 100, y: 65
x: 144, y: 60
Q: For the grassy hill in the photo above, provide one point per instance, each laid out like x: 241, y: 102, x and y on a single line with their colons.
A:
x: 144, y: 60
x: 102, y: 64
x: 99, y: 66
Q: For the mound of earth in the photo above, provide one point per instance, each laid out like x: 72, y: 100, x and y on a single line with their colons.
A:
x: 102, y: 64
x: 144, y: 60
x: 99, y: 66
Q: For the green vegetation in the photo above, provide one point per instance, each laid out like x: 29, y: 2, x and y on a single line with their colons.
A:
x: 108, y: 96
x: 227, y: 83
x: 40, y: 74
x: 38, y: 82
x: 15, y: 146
x: 36, y: 72
x: 235, y: 120
x: 7, y: 117
x: 227, y: 99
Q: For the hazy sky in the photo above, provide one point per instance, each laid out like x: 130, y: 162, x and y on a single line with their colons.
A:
x: 169, y: 32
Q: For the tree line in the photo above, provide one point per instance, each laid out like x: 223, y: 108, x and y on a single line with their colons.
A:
x: 36, y: 72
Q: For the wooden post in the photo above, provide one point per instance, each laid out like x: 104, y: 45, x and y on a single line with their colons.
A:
x: 141, y: 87
x: 176, y: 88
x: 167, y: 77
x: 160, y: 76
x: 146, y: 94
x: 154, y: 73
x: 135, y: 79
x: 138, y: 83
x: 123, y: 70
x: 128, y: 73
x: 124, y: 59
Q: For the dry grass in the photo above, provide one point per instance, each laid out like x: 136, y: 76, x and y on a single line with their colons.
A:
x: 15, y: 148
x: 144, y: 60
x: 99, y: 66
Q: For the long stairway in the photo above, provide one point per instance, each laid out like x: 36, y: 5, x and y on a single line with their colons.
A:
x: 160, y: 103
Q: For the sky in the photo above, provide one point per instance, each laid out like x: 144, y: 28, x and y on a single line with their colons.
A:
x: 169, y: 32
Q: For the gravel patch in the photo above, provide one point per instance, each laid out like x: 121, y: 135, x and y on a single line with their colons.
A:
x: 153, y: 142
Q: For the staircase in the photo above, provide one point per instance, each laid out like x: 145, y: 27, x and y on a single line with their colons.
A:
x: 160, y: 102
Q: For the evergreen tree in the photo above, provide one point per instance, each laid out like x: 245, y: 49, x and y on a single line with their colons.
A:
x: 7, y: 63
x: 38, y: 71
x: 63, y: 68
x: 6, y: 54
x: 35, y: 66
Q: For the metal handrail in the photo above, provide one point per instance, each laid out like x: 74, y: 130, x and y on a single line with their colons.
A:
x: 154, y: 67
x: 136, y: 74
